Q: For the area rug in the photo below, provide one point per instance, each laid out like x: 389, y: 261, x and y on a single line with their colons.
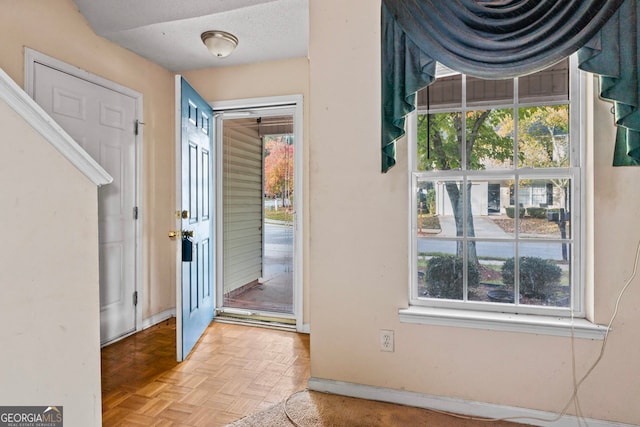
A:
x: 314, y: 409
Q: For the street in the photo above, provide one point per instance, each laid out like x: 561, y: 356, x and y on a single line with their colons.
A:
x: 278, y: 250
x: 546, y: 250
x: 485, y: 228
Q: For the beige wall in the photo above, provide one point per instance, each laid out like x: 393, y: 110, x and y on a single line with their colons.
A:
x: 359, y: 255
x: 277, y: 78
x: 56, y: 28
x: 49, y: 296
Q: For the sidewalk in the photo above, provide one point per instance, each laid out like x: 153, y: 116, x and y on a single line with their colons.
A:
x: 483, y: 227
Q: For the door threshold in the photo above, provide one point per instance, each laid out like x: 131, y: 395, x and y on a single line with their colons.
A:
x: 273, y: 323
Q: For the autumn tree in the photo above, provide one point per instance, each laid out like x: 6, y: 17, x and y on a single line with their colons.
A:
x: 543, y: 140
x: 542, y: 136
x: 278, y: 167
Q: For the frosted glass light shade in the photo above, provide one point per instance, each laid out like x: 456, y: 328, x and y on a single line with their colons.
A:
x: 219, y: 43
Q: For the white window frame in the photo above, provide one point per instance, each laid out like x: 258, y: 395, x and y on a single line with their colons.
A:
x: 534, y: 319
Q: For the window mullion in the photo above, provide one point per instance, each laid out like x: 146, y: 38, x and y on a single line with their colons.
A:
x: 463, y: 183
x: 516, y: 195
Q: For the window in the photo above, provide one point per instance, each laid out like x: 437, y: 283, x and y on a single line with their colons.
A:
x: 496, y: 178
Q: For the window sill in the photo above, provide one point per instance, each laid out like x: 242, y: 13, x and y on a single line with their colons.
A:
x: 524, y: 323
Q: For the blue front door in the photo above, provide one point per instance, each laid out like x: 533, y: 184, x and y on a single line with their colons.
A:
x: 197, y: 244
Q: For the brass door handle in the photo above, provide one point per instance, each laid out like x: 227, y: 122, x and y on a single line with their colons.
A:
x: 187, y: 233
x: 173, y: 234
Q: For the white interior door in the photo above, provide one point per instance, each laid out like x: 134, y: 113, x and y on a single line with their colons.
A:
x: 103, y: 122
x: 194, y: 291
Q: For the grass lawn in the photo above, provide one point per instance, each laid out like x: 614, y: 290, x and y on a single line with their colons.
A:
x: 278, y: 215
x: 429, y: 222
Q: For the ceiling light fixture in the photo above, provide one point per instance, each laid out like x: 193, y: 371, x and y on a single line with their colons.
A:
x: 219, y: 43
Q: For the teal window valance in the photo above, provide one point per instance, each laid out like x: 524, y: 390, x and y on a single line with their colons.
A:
x: 495, y: 39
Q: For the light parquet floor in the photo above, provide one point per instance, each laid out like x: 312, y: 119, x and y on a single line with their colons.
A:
x: 233, y: 371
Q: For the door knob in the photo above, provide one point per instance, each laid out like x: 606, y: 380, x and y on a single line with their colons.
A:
x: 173, y: 234
x: 187, y: 233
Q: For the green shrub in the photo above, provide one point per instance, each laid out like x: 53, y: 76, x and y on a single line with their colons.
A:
x: 536, y: 275
x: 540, y: 213
x: 511, y: 211
x: 445, y: 277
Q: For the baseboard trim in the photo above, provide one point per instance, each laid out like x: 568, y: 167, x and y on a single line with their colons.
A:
x: 458, y: 406
x: 157, y: 318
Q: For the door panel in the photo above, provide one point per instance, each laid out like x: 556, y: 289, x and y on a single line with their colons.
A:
x: 196, y: 287
x: 102, y: 122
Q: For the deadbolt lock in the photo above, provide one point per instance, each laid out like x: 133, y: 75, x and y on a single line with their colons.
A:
x: 184, y: 234
x: 185, y: 214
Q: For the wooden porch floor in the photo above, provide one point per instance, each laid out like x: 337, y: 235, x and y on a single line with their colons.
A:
x: 232, y: 372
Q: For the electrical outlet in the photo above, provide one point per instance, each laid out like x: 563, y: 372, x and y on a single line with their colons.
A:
x: 386, y: 340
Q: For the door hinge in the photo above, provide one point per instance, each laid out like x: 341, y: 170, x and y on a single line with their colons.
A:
x: 135, y: 212
x: 135, y: 298
x: 136, y: 129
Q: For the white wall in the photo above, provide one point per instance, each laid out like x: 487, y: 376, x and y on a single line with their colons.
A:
x: 49, y: 300
x: 358, y: 233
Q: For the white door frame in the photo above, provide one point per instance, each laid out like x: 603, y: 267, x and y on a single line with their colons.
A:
x: 31, y: 57
x: 296, y: 103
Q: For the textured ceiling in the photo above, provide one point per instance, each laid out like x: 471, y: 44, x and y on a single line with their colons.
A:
x: 167, y: 32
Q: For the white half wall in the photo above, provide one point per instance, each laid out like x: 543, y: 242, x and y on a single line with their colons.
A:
x: 49, y: 297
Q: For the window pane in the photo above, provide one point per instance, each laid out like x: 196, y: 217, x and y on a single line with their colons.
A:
x: 429, y: 246
x: 439, y: 149
x: 543, y: 136
x: 483, y: 92
x: 444, y: 277
x: 428, y: 222
x: 491, y: 216
x: 491, y: 258
x: 546, y: 204
x: 490, y: 139
x: 546, y: 85
x: 544, y: 276
x: 448, y: 199
x: 440, y: 273
x: 445, y: 92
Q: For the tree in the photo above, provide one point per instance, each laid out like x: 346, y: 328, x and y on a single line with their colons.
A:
x: 543, y: 140
x: 543, y: 136
x: 278, y: 167
x: 441, y: 142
